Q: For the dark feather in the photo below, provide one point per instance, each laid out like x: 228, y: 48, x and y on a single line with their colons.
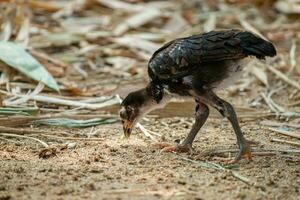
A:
x: 184, y: 55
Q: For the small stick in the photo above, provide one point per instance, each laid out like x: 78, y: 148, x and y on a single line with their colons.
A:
x: 279, y: 108
x: 283, y: 77
x: 267, y: 100
x: 295, y: 135
x: 22, y: 131
x: 285, y: 142
x: 72, y: 138
x: 26, y: 137
x: 146, y: 132
x: 293, y: 60
x: 26, y: 97
x: 254, y: 152
x: 285, y: 150
x: 293, y: 103
x: 10, y: 140
x: 211, y: 165
x: 278, y: 124
x: 246, y: 25
x: 65, y: 102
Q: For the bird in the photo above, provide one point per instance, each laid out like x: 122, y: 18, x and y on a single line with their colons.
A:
x: 197, y: 67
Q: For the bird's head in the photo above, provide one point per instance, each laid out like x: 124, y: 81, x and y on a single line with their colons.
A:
x: 134, y: 107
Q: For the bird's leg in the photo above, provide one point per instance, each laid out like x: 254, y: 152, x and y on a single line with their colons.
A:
x: 227, y: 110
x: 201, y: 115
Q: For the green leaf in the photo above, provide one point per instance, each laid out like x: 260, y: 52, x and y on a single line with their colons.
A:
x: 16, y: 57
x: 75, y: 123
x: 20, y: 111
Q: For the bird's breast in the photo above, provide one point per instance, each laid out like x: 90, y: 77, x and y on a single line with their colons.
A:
x: 234, y: 72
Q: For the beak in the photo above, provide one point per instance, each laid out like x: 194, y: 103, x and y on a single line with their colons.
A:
x: 127, y: 128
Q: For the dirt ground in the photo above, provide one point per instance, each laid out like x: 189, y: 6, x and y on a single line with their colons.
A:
x: 134, y: 169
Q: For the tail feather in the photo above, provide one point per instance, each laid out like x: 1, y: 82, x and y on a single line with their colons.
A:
x: 256, y: 46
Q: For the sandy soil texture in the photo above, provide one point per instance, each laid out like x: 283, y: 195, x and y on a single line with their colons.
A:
x: 134, y: 169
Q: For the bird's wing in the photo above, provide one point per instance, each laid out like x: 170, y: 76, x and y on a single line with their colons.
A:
x: 179, y: 57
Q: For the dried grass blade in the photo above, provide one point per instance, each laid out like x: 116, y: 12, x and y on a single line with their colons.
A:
x: 293, y: 60
x: 285, y: 142
x: 246, y: 25
x: 210, y: 165
x: 210, y: 23
x: 26, y: 97
x: 116, y: 4
x: 23, y: 34
x: 287, y: 133
x: 137, y: 20
x: 26, y: 137
x: 284, y: 77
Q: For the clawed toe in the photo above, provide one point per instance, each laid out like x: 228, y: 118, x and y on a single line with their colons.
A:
x: 167, y: 147
x: 172, y: 148
x: 162, y: 145
x: 244, y: 152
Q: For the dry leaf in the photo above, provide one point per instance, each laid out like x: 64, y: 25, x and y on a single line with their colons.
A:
x: 246, y: 25
x: 137, y: 20
x: 260, y: 74
x: 288, y: 6
x: 132, y: 42
x: 210, y: 23
x: 116, y: 4
x: 176, y: 23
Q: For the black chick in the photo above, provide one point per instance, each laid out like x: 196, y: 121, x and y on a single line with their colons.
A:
x: 196, y: 66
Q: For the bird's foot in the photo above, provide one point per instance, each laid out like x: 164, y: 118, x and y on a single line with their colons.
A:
x: 168, y: 147
x: 244, y: 152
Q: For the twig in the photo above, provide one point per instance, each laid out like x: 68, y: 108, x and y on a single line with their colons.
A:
x: 268, y: 102
x: 26, y: 137
x: 279, y: 110
x: 210, y: 23
x: 20, y: 121
x: 255, y: 153
x: 295, y: 135
x: 246, y: 25
x: 261, y: 152
x: 293, y: 60
x: 22, y: 131
x: 278, y: 124
x: 117, y: 4
x: 271, y: 93
x: 211, y: 165
x: 137, y: 20
x: 295, y: 151
x: 293, y: 103
x: 11, y: 141
x: 26, y: 97
x: 80, y: 71
x: 283, y: 77
x: 72, y: 138
x: 285, y: 142
x: 146, y: 132
x: 61, y: 101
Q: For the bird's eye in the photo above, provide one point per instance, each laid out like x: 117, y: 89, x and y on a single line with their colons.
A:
x: 129, y: 110
x: 123, y: 113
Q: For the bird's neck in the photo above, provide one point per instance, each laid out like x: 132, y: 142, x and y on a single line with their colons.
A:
x: 155, y: 91
x: 152, y: 104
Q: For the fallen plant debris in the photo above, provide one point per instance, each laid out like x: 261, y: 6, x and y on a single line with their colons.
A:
x: 25, y: 63
x: 94, y: 52
x: 75, y: 123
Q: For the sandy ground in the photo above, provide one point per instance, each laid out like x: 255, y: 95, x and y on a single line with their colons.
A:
x: 134, y: 169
